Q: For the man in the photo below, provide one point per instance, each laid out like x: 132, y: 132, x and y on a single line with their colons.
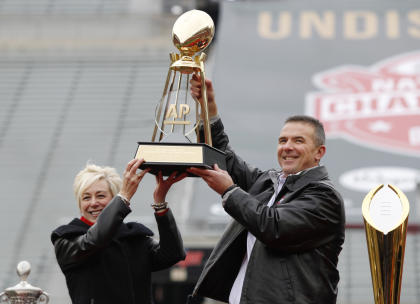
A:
x: 288, y: 225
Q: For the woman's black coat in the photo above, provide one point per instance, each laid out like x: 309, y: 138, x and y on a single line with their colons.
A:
x: 112, y: 261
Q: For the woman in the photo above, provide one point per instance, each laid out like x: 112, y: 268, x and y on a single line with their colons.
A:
x: 105, y: 260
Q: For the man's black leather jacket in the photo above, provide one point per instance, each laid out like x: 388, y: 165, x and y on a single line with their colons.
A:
x: 299, y: 238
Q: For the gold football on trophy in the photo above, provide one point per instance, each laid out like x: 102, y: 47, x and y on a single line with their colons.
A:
x: 192, y: 32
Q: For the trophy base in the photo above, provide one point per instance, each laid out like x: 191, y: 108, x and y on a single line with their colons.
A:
x: 169, y: 157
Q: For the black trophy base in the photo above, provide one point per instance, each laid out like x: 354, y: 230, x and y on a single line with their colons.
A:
x: 169, y: 157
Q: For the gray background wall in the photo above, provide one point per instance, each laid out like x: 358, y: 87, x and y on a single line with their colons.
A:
x: 79, y: 81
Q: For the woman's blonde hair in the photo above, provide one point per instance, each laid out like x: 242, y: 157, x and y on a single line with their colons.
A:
x: 93, y: 173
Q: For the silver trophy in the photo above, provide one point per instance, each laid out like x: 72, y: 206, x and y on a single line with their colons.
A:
x: 23, y: 292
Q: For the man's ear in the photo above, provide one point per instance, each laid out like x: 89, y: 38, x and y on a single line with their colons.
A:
x: 320, y: 153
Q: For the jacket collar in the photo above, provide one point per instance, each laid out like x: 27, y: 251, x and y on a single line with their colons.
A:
x: 297, y: 181
x: 77, y: 227
x: 274, y: 176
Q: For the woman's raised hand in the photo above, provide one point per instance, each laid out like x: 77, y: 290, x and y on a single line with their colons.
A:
x: 131, y: 179
x: 163, y: 185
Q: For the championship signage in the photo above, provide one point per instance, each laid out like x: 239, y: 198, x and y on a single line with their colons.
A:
x: 377, y: 106
x: 354, y: 65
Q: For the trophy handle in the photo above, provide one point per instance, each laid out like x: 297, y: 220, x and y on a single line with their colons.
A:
x: 165, y: 91
x: 204, y: 108
x: 44, y: 297
x: 3, y: 298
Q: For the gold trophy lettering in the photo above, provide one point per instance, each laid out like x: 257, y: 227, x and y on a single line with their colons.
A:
x: 176, y: 143
x: 385, y: 211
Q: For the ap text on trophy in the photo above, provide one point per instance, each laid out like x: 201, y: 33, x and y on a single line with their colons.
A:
x: 385, y: 211
x: 176, y: 143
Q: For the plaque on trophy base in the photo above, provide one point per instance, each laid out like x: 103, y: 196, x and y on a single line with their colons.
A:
x: 170, y: 157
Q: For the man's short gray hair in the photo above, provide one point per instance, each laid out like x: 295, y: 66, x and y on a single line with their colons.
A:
x: 319, y: 134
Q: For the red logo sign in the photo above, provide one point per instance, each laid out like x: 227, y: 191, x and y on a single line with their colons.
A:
x: 193, y: 258
x: 377, y: 106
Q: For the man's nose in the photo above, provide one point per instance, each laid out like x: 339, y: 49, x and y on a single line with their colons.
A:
x: 288, y: 145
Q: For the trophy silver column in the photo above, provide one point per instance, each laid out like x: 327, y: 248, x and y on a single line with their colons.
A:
x: 23, y: 292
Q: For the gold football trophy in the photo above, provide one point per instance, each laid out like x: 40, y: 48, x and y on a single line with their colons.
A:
x: 385, y: 211
x: 176, y: 143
